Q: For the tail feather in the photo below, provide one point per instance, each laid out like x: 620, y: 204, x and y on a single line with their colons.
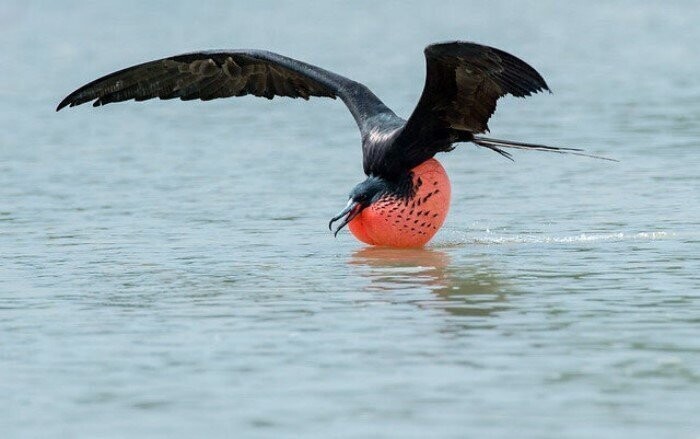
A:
x: 496, y: 145
x: 505, y: 154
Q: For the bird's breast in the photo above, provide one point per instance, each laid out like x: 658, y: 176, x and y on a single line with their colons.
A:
x: 400, y: 221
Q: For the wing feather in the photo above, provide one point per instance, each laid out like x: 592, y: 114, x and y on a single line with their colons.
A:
x: 220, y: 74
x: 463, y: 83
x: 464, y: 80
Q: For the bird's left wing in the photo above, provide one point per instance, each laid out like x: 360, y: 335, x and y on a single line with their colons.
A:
x: 219, y: 74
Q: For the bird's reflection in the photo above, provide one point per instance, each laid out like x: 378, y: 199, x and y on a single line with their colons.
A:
x: 471, y: 290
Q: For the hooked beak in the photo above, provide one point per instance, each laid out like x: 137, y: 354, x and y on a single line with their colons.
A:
x: 351, y: 211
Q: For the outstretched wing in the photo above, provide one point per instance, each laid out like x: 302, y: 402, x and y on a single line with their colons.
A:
x: 220, y: 74
x: 463, y: 82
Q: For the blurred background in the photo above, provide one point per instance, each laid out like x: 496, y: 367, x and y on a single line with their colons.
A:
x: 166, y: 270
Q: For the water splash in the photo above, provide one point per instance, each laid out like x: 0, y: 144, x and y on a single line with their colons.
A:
x: 452, y: 238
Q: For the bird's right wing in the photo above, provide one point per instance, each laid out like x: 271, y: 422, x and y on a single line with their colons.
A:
x: 463, y: 82
x: 220, y: 74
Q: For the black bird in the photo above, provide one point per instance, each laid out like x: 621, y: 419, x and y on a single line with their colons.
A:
x: 406, y: 196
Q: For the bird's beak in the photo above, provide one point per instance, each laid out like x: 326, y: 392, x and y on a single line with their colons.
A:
x: 351, y: 211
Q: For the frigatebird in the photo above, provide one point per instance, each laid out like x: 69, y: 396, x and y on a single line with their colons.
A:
x: 406, y: 195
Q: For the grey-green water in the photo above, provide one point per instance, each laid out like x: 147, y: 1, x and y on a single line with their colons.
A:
x: 166, y: 270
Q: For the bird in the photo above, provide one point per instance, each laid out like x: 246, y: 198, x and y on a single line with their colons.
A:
x: 405, y: 197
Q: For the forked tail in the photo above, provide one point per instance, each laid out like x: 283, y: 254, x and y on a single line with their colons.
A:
x: 496, y: 145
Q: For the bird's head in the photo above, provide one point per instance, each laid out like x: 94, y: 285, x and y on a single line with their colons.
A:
x: 361, y: 197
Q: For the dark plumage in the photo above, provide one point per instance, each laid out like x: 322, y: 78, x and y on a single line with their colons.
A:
x: 220, y: 74
x: 463, y: 82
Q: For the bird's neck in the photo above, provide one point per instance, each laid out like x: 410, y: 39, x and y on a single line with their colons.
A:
x: 412, y: 215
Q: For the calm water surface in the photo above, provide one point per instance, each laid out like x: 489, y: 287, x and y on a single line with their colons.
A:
x: 166, y: 270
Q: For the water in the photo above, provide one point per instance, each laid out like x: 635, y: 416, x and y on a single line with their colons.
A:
x: 167, y: 272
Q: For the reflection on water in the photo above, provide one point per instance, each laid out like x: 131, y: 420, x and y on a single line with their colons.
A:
x: 390, y: 269
x: 472, y: 290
